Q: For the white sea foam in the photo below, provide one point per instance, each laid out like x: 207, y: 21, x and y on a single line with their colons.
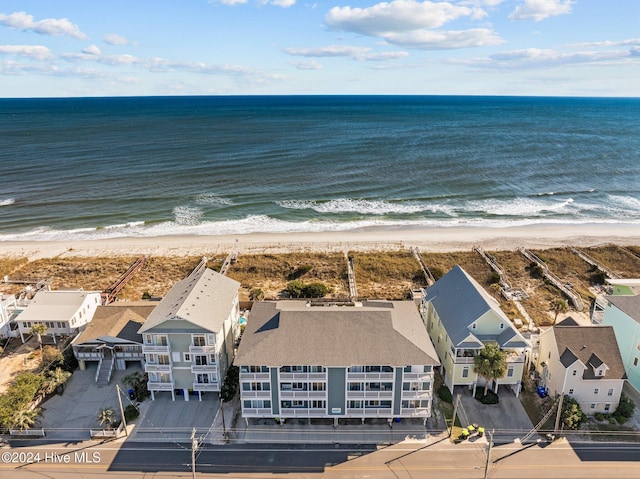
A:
x: 7, y: 202
x: 187, y: 215
x: 210, y: 199
x: 365, y: 207
x: 626, y: 202
x: 518, y: 206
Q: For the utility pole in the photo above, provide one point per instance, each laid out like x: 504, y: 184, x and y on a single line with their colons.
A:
x: 455, y: 410
x: 486, y: 466
x: 124, y: 423
x: 224, y: 428
x: 557, y: 425
x: 194, y: 448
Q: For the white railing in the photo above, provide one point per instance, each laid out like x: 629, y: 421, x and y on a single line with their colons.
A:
x: 369, y: 394
x: 206, y: 386
x: 303, y: 377
x: 415, y: 412
x: 463, y: 360
x: 152, y: 368
x: 257, y: 412
x: 417, y: 376
x: 303, y: 394
x: 198, y: 368
x: 129, y: 355
x: 419, y: 394
x: 111, y: 368
x: 159, y: 386
x: 302, y: 412
x: 371, y: 376
x: 256, y: 394
x: 254, y: 376
x: 95, y: 380
x: 370, y: 412
x: 103, y: 433
x: 27, y: 432
x: 88, y: 355
x: 207, y: 349
x: 151, y: 348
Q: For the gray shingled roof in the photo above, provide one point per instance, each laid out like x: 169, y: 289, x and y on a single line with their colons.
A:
x: 592, y: 345
x: 202, y: 299
x: 376, y: 333
x: 629, y: 305
x: 117, y: 321
x: 459, y: 301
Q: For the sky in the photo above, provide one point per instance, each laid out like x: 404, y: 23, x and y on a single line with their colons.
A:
x: 77, y: 48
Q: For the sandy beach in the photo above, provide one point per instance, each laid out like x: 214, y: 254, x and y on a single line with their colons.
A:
x: 428, y: 239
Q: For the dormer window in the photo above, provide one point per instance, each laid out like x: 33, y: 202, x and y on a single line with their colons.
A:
x: 501, y: 325
x: 473, y: 326
x: 600, y: 372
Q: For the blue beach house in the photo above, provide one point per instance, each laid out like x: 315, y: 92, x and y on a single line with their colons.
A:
x: 623, y: 314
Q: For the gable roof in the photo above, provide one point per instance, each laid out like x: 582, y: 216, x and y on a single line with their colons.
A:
x: 389, y: 333
x: 629, y: 305
x: 460, y: 301
x: 116, y: 322
x: 203, y: 299
x: 591, y: 345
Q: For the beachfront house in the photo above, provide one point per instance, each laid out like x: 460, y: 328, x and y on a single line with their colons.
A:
x: 301, y: 359
x: 8, y: 311
x: 188, y: 339
x: 622, y: 313
x: 62, y: 312
x: 583, y: 362
x: 461, y: 317
x: 111, y: 339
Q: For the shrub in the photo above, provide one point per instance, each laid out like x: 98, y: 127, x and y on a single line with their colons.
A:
x: 300, y: 271
x: 146, y: 295
x: 315, y: 290
x: 490, y: 398
x: 624, y: 410
x: 230, y: 385
x: 494, y: 278
x: 444, y: 394
x: 295, y: 288
x: 131, y: 412
x: 572, y: 415
x: 256, y: 294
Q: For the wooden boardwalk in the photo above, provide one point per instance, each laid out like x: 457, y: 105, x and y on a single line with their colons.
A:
x: 595, y: 263
x: 425, y: 269
x: 556, y: 281
x: 109, y: 294
x: 351, y: 277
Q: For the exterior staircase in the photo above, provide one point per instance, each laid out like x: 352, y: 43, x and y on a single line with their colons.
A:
x: 104, y: 372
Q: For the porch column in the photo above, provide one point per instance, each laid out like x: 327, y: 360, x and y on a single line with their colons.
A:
x: 185, y: 392
x: 153, y: 396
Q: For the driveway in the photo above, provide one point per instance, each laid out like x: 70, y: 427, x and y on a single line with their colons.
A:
x: 507, y: 419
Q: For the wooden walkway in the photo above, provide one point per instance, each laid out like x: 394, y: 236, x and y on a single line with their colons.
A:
x: 228, y: 261
x: 425, y: 269
x: 595, y: 263
x: 351, y: 277
x: 493, y: 263
x: 109, y: 295
x: 557, y: 282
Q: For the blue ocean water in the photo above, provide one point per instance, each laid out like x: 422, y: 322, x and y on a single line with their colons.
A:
x: 82, y: 168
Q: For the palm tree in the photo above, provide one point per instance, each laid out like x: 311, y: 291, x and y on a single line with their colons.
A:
x: 39, y: 329
x: 57, y: 378
x: 25, y: 418
x: 558, y: 305
x: 491, y: 364
x: 105, y: 416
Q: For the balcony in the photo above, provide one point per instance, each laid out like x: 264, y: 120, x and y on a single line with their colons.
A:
x: 254, y: 376
x: 159, y: 386
x: 204, y: 368
x: 302, y: 412
x: 157, y: 368
x: 206, y: 349
x: 206, y: 386
x: 371, y: 376
x: 302, y: 377
x: 418, y: 376
x: 92, y: 356
x: 129, y: 355
x: 369, y: 394
x: 152, y: 348
x: 415, y: 412
x: 370, y: 412
x: 303, y: 394
x: 417, y: 394
x: 256, y: 412
x: 255, y: 394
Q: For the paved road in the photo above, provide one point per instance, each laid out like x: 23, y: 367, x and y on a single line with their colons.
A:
x: 133, y: 460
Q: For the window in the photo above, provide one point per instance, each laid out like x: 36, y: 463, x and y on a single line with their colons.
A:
x: 427, y: 369
x: 596, y: 391
x: 164, y: 359
x: 501, y: 325
x: 147, y: 339
x: 354, y: 404
x: 465, y: 372
x: 510, y: 371
x: 474, y: 326
x: 571, y: 392
x: 187, y: 357
x: 635, y: 361
x: 161, y: 340
x: 254, y: 369
x: 198, y: 340
x: 256, y: 386
x: 600, y: 372
x: 607, y: 407
x: 200, y: 360
x: 202, y: 378
x: 592, y: 405
x: 574, y: 372
x: 299, y: 386
x: 407, y: 369
x: 151, y: 358
x: 610, y: 392
x: 318, y: 404
x: 318, y: 386
x: 355, y: 387
x: 317, y: 369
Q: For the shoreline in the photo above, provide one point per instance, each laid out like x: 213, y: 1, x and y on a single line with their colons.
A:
x: 370, y: 239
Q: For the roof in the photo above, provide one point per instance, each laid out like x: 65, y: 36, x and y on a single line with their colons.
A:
x: 629, y: 305
x: 592, y: 345
x: 116, y: 322
x: 203, y: 299
x: 55, y: 305
x: 460, y: 301
x: 389, y: 333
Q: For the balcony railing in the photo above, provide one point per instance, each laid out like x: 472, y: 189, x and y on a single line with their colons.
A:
x: 303, y: 377
x: 155, y: 368
x: 370, y: 412
x: 151, y: 348
x: 303, y: 394
x: 371, y: 376
x: 418, y: 394
x: 415, y: 412
x: 256, y: 412
x: 206, y: 386
x: 87, y: 355
x: 200, y: 368
x: 302, y: 412
x: 369, y: 394
x: 160, y: 386
x: 129, y: 355
x: 206, y: 349
x: 256, y: 394
x: 418, y: 376
x: 254, y: 376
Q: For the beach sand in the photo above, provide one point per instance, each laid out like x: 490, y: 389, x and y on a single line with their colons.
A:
x: 427, y: 239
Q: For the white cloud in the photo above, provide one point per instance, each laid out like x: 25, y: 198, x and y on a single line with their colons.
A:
x: 48, y: 26
x: 115, y: 39
x: 283, y: 3
x: 538, y: 10
x: 91, y: 50
x: 414, y: 24
x: 356, y: 53
x: 35, y: 52
x: 306, y: 65
x: 229, y: 2
x: 395, y: 16
x: 608, y: 43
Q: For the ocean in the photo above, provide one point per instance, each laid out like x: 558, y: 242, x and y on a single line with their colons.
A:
x: 89, y: 168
